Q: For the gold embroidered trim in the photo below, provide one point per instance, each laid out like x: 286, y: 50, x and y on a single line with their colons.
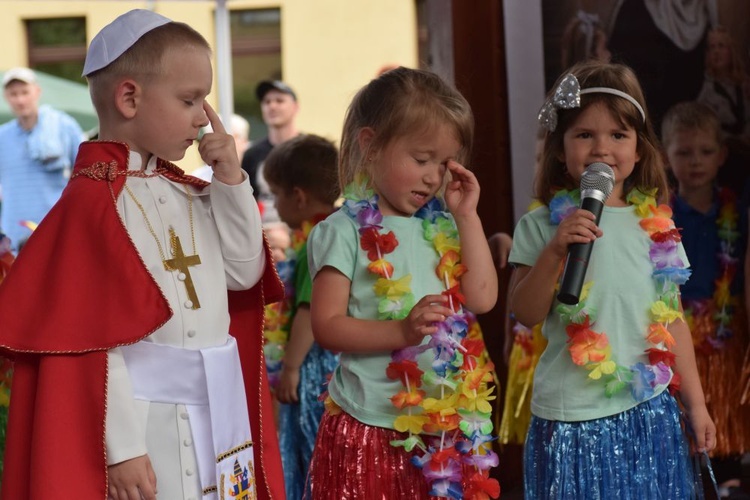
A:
x: 262, y: 369
x: 234, y: 450
x: 102, y: 171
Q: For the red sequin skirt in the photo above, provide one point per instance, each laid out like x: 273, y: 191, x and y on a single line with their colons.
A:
x: 356, y: 461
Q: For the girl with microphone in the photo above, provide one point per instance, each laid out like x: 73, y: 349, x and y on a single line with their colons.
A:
x: 605, y: 421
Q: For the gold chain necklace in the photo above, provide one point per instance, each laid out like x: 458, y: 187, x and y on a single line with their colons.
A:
x: 179, y: 262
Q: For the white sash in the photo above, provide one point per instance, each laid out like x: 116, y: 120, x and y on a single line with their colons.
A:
x: 209, y: 383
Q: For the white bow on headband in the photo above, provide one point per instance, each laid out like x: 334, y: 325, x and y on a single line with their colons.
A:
x: 568, y: 96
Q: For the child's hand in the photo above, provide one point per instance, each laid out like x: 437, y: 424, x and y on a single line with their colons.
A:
x: 286, y: 391
x: 420, y: 322
x: 132, y: 479
x: 703, y: 427
x: 500, y: 244
x: 218, y: 150
x: 579, y: 227
x: 462, y: 192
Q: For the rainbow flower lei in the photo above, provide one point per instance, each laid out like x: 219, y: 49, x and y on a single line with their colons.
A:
x: 591, y: 349
x: 457, y: 458
x: 724, y: 303
x: 278, y: 315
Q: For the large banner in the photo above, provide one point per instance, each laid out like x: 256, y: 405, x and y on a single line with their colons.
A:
x: 681, y: 50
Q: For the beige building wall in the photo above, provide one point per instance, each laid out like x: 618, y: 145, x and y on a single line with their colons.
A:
x: 330, y: 48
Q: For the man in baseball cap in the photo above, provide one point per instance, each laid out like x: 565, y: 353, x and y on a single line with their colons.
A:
x: 24, y: 75
x: 279, y: 107
x: 267, y: 85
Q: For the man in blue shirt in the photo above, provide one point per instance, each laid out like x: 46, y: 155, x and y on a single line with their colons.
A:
x: 37, y: 152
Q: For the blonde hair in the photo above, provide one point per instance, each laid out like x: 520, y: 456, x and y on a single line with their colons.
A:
x: 143, y: 60
x: 690, y: 115
x: 649, y: 170
x: 399, y: 102
x: 737, y: 69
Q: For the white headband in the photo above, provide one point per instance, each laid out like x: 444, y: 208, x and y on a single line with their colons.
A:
x: 568, y: 96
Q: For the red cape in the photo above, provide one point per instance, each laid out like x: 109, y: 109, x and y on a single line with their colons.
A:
x: 78, y: 289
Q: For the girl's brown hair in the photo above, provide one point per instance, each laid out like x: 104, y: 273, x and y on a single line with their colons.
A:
x: 648, y: 172
x: 399, y: 102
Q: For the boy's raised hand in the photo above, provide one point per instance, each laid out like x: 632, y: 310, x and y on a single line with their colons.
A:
x: 218, y: 150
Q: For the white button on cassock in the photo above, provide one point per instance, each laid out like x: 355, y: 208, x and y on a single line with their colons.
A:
x: 191, y: 333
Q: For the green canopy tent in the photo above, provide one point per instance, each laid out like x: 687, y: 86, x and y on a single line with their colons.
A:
x: 62, y: 94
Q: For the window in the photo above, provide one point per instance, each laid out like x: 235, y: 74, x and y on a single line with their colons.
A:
x: 58, y: 46
x: 256, y: 56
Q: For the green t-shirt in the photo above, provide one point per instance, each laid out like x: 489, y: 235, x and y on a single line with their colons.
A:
x: 359, y: 384
x: 302, y: 279
x: 622, y: 294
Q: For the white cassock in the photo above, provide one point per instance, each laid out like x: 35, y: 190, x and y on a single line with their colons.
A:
x: 228, y: 240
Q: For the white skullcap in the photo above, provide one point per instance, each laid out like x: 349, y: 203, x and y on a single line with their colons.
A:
x: 118, y: 36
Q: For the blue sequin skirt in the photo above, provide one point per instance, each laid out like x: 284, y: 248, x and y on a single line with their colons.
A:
x: 641, y: 453
x: 298, y: 423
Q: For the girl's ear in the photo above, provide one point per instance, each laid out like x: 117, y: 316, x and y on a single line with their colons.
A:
x: 127, y: 97
x: 300, y: 197
x: 364, y: 139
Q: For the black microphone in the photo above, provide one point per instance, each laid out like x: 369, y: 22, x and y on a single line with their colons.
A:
x: 597, y: 183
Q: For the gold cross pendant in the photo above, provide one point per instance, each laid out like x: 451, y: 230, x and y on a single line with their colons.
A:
x: 181, y: 262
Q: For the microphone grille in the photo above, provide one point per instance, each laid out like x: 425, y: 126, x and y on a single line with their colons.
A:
x: 600, y: 177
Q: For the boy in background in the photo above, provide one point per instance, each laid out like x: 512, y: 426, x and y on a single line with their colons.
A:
x: 713, y: 234
x: 302, y: 175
